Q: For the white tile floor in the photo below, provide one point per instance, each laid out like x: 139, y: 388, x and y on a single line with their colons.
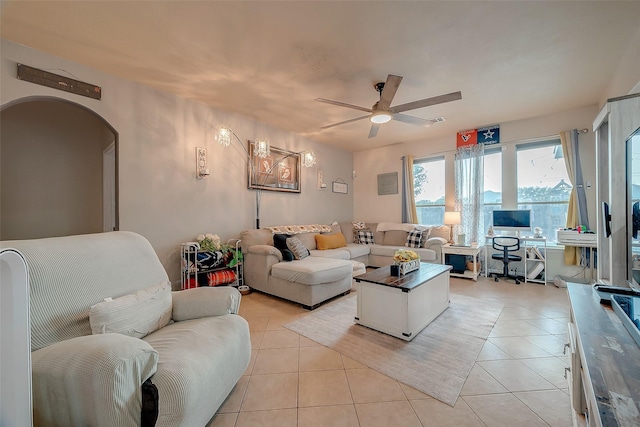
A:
x: 518, y: 379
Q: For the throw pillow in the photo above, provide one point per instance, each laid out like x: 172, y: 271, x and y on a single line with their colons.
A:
x: 425, y: 235
x: 298, y: 248
x: 280, y: 242
x: 330, y: 241
x: 135, y: 315
x: 365, y: 237
x: 414, y: 239
x: 359, y: 225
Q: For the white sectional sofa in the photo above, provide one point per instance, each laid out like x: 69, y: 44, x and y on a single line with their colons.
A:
x: 389, y: 237
x: 326, y: 273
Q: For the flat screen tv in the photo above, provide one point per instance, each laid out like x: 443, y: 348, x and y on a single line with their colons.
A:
x: 512, y: 220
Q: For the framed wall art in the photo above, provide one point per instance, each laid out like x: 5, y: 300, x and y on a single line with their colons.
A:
x: 388, y: 183
x: 339, y: 186
x: 279, y: 171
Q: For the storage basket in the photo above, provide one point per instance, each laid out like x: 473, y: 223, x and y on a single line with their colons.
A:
x: 409, y: 266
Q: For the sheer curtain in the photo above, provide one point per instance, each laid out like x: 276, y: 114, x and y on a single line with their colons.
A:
x: 409, y: 213
x: 577, y: 210
x: 469, y: 170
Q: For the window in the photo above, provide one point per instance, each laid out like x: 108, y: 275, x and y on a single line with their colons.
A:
x: 492, y: 185
x: 543, y: 184
x: 429, y: 187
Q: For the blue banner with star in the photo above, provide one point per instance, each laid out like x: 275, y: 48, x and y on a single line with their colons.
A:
x: 489, y: 135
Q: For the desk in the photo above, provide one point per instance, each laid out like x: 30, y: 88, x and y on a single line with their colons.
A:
x: 528, y: 258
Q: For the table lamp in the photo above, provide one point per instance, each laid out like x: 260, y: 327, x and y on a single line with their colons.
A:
x: 451, y: 218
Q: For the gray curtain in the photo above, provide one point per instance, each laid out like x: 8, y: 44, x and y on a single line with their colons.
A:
x: 577, y: 209
x: 469, y: 170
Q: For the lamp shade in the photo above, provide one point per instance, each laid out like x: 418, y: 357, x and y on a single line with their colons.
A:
x: 452, y: 218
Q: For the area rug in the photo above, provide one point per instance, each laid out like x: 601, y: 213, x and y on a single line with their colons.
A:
x: 436, y: 362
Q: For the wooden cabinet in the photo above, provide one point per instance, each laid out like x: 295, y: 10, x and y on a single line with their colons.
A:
x: 604, y: 371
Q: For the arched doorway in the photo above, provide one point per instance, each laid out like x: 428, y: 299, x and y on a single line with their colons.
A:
x: 58, y: 170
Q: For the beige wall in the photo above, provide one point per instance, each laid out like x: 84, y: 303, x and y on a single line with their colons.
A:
x: 368, y: 164
x: 51, y: 166
x: 160, y: 196
x: 626, y: 79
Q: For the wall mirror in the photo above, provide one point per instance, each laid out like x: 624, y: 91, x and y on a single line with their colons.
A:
x: 633, y: 209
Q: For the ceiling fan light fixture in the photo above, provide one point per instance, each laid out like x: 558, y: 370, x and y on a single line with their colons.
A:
x: 380, y: 118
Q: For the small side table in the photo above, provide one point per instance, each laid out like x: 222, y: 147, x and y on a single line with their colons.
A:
x: 473, y: 251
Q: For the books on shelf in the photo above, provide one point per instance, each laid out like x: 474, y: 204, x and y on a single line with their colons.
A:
x: 535, y: 271
x: 534, y: 253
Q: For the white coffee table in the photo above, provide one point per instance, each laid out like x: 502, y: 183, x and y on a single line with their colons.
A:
x: 402, y: 306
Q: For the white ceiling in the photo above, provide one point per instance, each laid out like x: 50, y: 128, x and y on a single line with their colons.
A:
x: 269, y: 60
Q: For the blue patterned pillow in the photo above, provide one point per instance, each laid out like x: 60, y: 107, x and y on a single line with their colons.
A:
x: 298, y: 248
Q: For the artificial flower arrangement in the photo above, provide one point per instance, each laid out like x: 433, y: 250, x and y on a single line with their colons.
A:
x: 406, y: 261
x: 405, y: 255
x: 212, y: 243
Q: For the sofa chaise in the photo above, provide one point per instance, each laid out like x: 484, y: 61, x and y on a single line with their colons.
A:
x: 108, y: 334
x: 327, y: 271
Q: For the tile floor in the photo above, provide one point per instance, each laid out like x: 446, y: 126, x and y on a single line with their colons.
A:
x: 518, y: 378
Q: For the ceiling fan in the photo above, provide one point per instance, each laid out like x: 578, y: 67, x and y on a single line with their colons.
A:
x: 382, y: 112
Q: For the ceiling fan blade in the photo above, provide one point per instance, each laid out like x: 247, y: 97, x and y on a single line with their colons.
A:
x: 342, y: 104
x: 413, y: 120
x: 374, y: 130
x: 345, y: 122
x: 453, y: 96
x: 389, y: 91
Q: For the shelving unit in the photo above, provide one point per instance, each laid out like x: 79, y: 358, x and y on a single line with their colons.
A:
x: 189, y: 269
x: 535, y: 260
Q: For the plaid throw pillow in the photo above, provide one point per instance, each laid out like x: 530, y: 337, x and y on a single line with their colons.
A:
x: 414, y: 239
x: 365, y: 237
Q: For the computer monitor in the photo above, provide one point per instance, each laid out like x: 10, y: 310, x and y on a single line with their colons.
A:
x: 512, y: 220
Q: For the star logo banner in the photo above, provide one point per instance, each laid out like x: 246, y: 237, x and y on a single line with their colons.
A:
x: 489, y: 135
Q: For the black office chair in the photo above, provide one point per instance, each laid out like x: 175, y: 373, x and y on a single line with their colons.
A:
x: 506, y: 246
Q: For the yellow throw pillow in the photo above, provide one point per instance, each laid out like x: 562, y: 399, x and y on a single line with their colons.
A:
x: 330, y: 241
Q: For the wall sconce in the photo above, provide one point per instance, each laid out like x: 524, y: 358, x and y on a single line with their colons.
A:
x: 202, y: 171
x: 308, y: 159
